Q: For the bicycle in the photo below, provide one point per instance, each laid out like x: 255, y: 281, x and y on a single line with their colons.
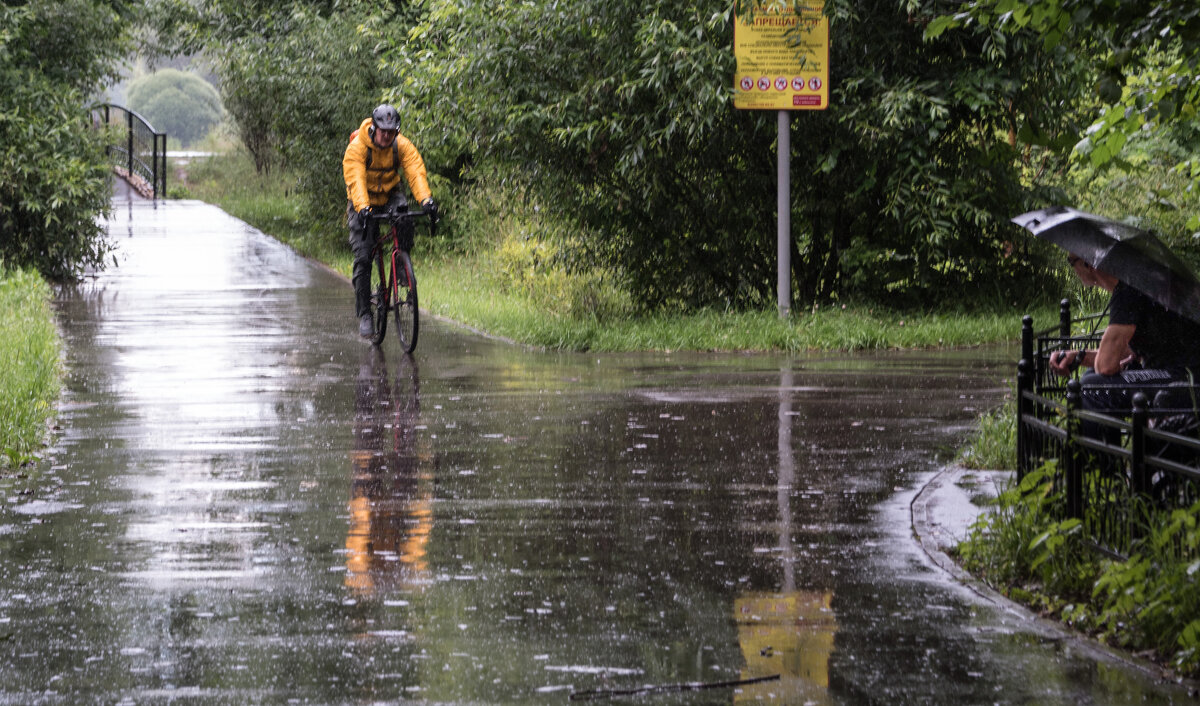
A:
x: 393, y: 283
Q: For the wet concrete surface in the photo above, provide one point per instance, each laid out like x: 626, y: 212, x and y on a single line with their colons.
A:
x: 248, y: 504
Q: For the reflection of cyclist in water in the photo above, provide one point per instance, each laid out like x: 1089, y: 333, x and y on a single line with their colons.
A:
x: 391, y: 498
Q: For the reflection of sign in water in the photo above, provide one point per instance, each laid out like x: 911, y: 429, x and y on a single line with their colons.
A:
x: 782, y: 52
x: 789, y: 634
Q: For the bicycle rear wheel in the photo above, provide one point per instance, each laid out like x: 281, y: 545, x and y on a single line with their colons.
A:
x: 404, y: 292
x: 380, y: 300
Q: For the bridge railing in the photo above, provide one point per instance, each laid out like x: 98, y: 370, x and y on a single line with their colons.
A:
x: 137, y: 150
x: 1115, y: 469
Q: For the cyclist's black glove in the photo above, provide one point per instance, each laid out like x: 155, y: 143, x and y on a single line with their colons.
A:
x: 364, y: 213
x: 430, y: 206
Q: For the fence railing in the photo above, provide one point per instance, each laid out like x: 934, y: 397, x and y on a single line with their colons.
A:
x: 1116, y: 469
x: 137, y: 150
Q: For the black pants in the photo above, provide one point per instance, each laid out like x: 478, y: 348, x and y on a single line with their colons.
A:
x: 1164, y: 388
x: 363, y: 234
x: 1114, y: 393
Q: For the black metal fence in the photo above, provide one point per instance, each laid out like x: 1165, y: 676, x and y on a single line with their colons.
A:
x: 1116, y: 469
x: 138, y: 152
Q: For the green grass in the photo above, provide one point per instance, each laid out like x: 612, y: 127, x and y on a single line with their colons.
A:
x: 993, y: 445
x: 451, y: 287
x: 29, y: 365
x: 500, y: 277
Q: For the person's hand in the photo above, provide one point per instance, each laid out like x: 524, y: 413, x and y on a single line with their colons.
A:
x: 1063, y: 363
x: 364, y: 213
x: 430, y: 206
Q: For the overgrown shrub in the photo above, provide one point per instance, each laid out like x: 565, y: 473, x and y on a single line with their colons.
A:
x: 536, y: 253
x: 1151, y: 601
x: 54, y: 178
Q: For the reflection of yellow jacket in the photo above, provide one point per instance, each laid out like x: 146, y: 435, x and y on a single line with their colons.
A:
x: 371, y: 186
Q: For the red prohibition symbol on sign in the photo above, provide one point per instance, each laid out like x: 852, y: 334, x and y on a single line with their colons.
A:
x: 798, y: 83
x: 747, y: 83
x: 814, y: 83
x: 764, y: 84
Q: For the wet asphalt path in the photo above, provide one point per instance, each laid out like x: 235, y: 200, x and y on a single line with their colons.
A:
x: 248, y: 504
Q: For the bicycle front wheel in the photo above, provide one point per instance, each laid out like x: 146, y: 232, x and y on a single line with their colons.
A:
x: 404, y: 296
x: 380, y: 300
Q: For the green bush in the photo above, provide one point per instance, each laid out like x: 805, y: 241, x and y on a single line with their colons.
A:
x: 54, y: 177
x: 181, y: 104
x: 1147, y: 602
x: 535, y: 254
x: 54, y: 180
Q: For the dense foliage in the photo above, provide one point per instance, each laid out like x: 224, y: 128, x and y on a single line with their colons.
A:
x: 181, y: 104
x: 1146, y: 58
x: 617, y: 116
x: 901, y: 190
x: 297, y: 77
x: 54, y: 179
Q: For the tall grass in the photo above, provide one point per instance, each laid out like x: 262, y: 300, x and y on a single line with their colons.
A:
x: 29, y: 364
x: 469, y: 290
x: 993, y: 445
x: 501, y: 266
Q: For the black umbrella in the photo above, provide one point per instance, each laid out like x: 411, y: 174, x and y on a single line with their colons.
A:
x: 1134, y: 256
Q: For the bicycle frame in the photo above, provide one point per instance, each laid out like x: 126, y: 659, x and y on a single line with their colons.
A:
x: 396, y: 275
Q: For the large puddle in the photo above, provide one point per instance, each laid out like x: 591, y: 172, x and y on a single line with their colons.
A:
x: 247, y: 504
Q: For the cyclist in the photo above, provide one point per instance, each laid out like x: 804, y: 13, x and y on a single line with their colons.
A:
x: 376, y: 155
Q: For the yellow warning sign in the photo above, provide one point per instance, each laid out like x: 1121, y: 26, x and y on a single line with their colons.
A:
x: 782, y: 52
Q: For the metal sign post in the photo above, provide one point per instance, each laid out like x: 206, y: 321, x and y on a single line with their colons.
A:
x: 783, y: 204
x: 782, y: 52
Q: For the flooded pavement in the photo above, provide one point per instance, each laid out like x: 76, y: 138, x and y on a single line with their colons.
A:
x: 248, y: 504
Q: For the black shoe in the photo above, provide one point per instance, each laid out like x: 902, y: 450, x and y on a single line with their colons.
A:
x: 366, y: 327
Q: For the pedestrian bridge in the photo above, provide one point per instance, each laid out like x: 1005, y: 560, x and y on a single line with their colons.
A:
x: 137, y: 151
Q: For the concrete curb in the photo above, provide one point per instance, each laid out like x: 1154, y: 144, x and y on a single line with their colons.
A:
x: 942, y: 513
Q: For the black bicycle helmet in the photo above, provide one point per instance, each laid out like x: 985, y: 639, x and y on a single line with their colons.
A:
x: 385, y: 117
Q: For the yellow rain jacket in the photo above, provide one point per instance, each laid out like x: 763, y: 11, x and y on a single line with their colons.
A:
x: 370, y: 186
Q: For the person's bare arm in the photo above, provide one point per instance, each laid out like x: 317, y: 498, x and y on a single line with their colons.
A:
x: 1111, y: 358
x: 1114, y: 352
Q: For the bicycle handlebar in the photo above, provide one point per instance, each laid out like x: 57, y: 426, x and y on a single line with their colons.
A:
x: 392, y: 216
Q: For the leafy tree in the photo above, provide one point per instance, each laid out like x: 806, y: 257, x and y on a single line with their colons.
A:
x: 620, y: 114
x: 311, y: 111
x: 54, y: 178
x: 623, y: 112
x: 1146, y: 58
x: 296, y: 76
x: 181, y: 104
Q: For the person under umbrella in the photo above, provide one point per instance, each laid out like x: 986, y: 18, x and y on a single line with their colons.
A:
x: 1152, y: 341
x: 1144, y: 347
